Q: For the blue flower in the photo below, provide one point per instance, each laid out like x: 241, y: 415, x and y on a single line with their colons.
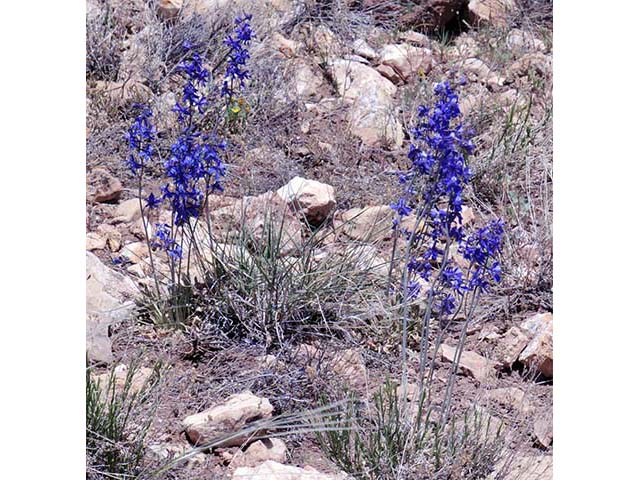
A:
x: 236, y: 74
x: 439, y: 174
x: 401, y: 207
x: 153, y: 202
x: 195, y: 160
x: 165, y: 241
x: 140, y: 137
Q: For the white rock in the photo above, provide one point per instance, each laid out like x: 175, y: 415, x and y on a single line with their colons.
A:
x: 258, y: 452
x: 289, y: 48
x: 307, y: 81
x: 227, y: 419
x: 524, y: 468
x: 95, y: 241
x: 362, y: 48
x: 109, y: 300
x: 512, y: 397
x: 493, y: 12
x: 138, y: 380
x: 510, y: 346
x: 539, y: 352
x: 136, y: 252
x: 271, y: 470
x: 315, y: 200
x: 406, y: 59
x: 128, y: 211
x: 521, y: 40
x: 477, y: 70
x: 372, y: 114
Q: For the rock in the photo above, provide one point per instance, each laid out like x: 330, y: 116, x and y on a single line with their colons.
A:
x: 169, y: 9
x: 536, y: 63
x: 406, y: 60
x: 412, y: 391
x: 389, y: 73
x: 313, y: 199
x: 128, y: 211
x: 357, y: 58
x: 109, y: 296
x: 368, y: 259
x: 325, y: 106
x: 524, y: 468
x: 477, y: 71
x: 511, y: 345
x: 469, y: 103
x: 511, y: 397
x: 368, y: 224
x: 271, y: 470
x: 95, y: 241
x: 136, y: 64
x: 230, y: 417
x: 120, y: 373
x: 102, y: 187
x: 543, y: 429
x: 477, y: 366
x: 136, y: 252
x: 323, y: 41
x: 111, y: 235
x: 538, y: 354
x: 468, y: 217
x: 370, y: 96
x: 167, y: 451
x: 289, y: 48
x: 510, y: 100
x: 464, y: 47
x: 520, y: 40
x: 137, y: 270
x: 363, y: 49
x: 492, y: 12
x: 307, y: 81
x: 257, y: 216
x: 258, y: 452
x: 414, y: 37
x: 120, y: 92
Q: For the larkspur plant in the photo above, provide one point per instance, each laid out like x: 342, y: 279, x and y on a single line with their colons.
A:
x: 236, y: 74
x: 194, y: 167
x: 433, y: 191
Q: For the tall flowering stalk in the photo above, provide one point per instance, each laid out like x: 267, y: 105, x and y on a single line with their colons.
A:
x: 193, y: 168
x: 140, y: 138
x: 236, y: 73
x: 443, y: 263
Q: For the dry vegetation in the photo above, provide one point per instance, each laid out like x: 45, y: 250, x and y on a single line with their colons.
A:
x: 245, y: 332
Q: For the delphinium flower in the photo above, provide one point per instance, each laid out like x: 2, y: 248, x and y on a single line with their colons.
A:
x: 433, y: 191
x: 236, y: 74
x: 140, y: 137
x: 165, y: 241
x: 193, y: 93
x: 194, y: 168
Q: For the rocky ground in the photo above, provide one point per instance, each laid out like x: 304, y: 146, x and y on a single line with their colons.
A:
x: 334, y: 91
